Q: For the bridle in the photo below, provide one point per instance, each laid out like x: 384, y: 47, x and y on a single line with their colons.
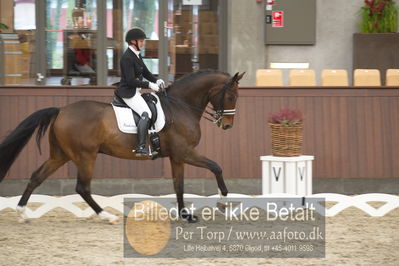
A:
x: 218, y: 114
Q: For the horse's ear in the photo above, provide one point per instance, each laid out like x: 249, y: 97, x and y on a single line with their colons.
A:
x: 235, y: 77
x: 240, y: 76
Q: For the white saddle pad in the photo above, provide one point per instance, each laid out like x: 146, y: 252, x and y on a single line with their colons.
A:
x: 126, y: 123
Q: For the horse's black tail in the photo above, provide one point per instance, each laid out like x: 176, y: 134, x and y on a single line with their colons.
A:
x: 17, y: 139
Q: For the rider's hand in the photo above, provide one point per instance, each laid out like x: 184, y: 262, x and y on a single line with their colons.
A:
x: 161, y: 84
x: 153, y: 86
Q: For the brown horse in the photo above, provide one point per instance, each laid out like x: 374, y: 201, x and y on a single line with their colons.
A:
x: 184, y: 105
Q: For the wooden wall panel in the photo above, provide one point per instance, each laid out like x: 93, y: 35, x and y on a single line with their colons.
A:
x: 353, y: 132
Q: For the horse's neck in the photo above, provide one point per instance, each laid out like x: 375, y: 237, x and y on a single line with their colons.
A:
x: 196, y: 94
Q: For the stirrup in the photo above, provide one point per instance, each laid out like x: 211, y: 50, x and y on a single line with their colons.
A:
x: 142, y: 152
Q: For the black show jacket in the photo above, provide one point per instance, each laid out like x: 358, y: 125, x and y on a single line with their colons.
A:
x: 133, y: 70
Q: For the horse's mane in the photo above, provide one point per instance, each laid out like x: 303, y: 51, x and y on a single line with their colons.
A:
x: 188, y: 78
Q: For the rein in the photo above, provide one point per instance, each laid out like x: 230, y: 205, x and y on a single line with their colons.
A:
x: 214, y: 117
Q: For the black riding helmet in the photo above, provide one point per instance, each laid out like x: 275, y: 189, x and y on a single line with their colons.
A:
x: 135, y: 34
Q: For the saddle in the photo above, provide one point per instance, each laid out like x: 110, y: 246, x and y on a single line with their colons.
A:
x: 151, y: 101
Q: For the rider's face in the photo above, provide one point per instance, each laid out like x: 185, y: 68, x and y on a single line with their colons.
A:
x: 140, y: 43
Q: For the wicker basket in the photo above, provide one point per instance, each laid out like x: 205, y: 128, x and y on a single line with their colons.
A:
x: 286, y: 140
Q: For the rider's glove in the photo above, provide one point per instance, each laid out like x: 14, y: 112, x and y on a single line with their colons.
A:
x: 153, y: 86
x: 161, y: 84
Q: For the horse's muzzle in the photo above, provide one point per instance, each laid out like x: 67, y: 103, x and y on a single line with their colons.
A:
x: 226, y: 126
x: 226, y: 122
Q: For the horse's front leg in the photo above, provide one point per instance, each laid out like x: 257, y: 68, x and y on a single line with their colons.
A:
x: 193, y: 158
x: 178, y: 182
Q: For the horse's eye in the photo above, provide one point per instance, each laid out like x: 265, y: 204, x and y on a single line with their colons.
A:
x: 231, y: 98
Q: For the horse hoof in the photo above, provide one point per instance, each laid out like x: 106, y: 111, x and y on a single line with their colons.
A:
x: 190, y: 218
x: 221, y: 207
x: 23, y: 221
x: 112, y: 219
x: 193, y: 219
x: 223, y: 194
x: 21, y: 211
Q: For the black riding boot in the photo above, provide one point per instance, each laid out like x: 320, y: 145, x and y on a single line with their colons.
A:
x: 142, y: 132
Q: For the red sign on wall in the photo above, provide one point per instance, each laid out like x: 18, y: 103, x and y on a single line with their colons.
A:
x: 278, y: 19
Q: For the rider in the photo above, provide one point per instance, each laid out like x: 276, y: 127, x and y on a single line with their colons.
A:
x: 133, y: 70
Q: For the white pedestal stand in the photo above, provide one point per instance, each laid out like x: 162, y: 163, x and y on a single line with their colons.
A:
x: 292, y: 175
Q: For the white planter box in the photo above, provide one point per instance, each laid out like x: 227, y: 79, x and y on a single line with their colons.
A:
x: 291, y: 175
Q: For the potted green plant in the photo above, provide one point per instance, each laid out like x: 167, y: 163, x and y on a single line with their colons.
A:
x: 286, y: 132
x: 375, y: 46
x: 379, y: 16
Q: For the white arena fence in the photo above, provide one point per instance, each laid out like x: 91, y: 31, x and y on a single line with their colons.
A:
x: 342, y: 202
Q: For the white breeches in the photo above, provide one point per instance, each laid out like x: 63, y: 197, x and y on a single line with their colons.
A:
x: 138, y: 104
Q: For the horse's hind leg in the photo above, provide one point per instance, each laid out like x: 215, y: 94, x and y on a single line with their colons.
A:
x: 57, y: 159
x: 85, y: 174
x: 44, y: 171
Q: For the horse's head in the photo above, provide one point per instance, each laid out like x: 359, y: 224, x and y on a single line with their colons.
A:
x: 223, y: 99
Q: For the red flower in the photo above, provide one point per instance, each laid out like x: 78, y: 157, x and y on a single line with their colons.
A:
x: 286, y: 117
